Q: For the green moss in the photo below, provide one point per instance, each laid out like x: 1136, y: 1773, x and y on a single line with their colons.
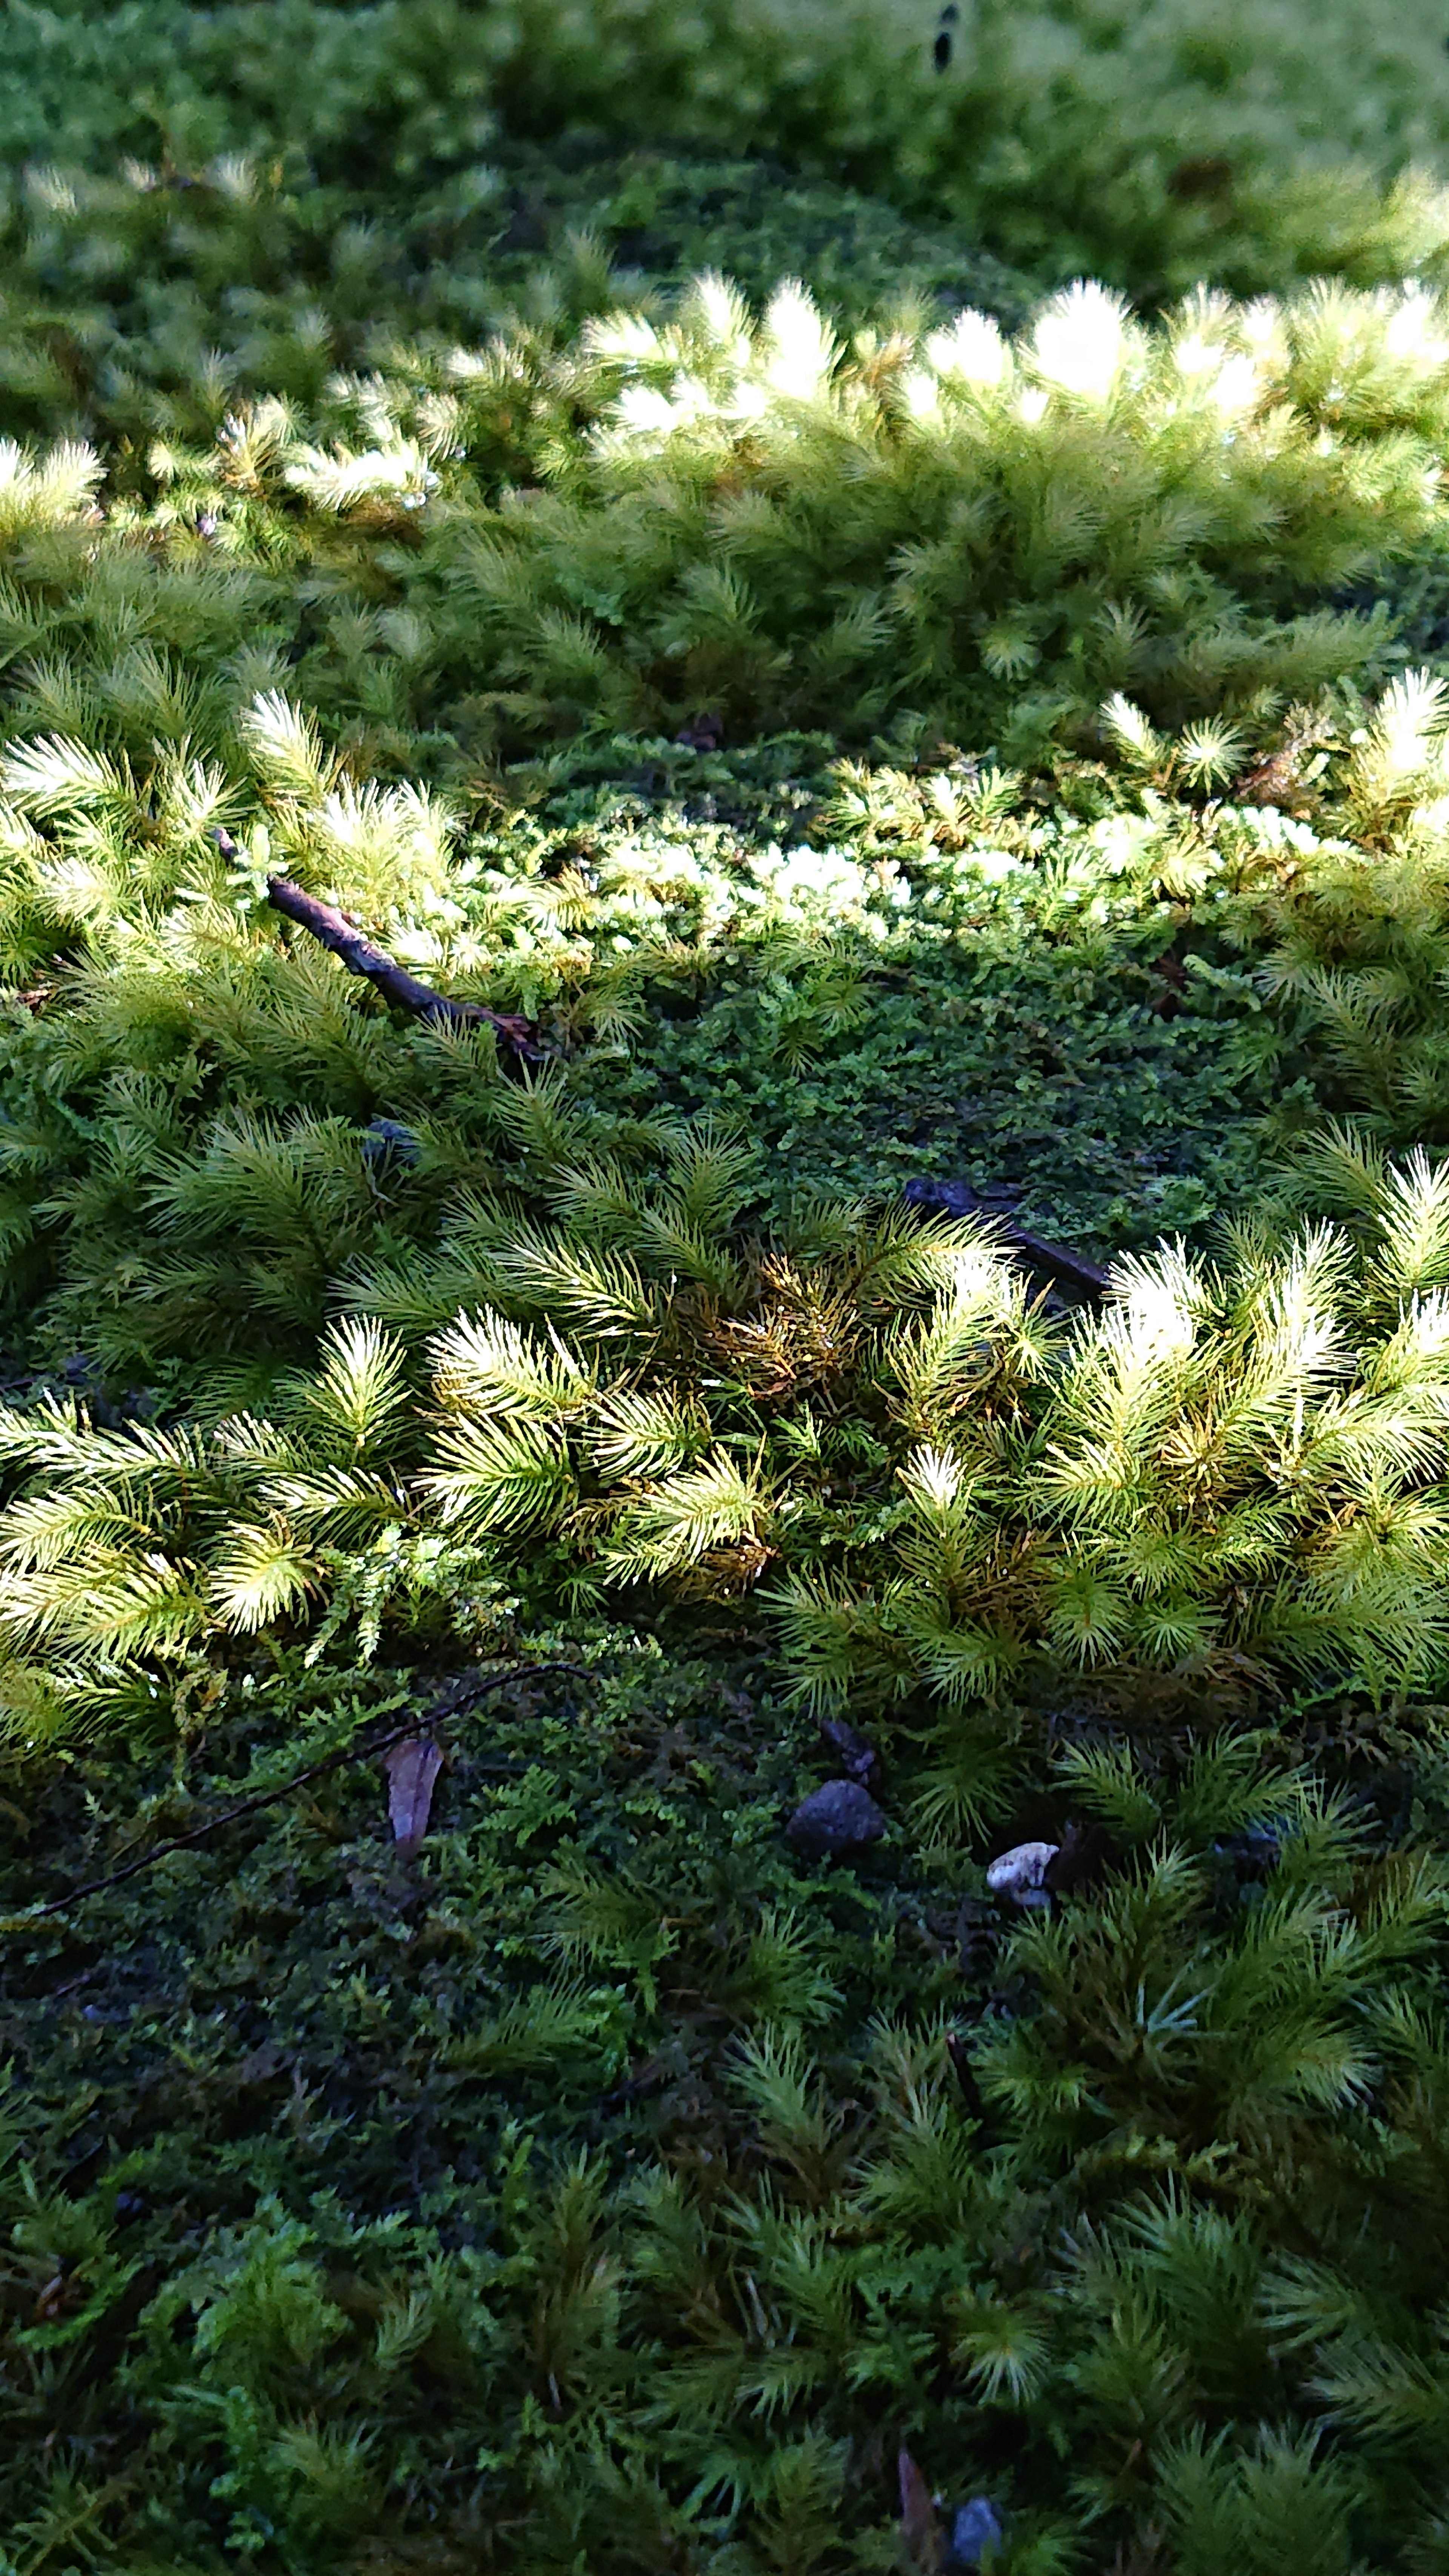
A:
x: 1130, y: 141
x: 1003, y: 1019
x: 599, y: 2183
x: 606, y: 2187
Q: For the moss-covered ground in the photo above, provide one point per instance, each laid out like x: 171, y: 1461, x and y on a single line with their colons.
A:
x: 932, y: 755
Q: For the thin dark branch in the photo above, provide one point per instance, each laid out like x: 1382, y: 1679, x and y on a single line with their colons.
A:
x: 958, y: 1198
x: 452, y: 1706
x: 394, y: 982
x: 1057, y: 1261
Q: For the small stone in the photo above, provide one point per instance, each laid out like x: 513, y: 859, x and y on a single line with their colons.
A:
x: 1021, y: 1873
x: 702, y: 733
x: 977, y: 2527
x: 855, y: 1753
x: 1256, y: 1847
x: 835, y: 1821
x: 385, y: 1140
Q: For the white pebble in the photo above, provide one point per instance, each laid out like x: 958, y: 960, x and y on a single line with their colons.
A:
x: 1019, y: 1873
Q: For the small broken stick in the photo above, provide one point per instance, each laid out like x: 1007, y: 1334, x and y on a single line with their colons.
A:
x: 395, y: 984
x: 958, y: 1198
x: 1072, y: 1268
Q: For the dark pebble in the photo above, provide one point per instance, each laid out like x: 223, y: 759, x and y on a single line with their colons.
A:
x: 385, y: 1140
x: 856, y: 1754
x: 834, y: 1821
x: 975, y: 2528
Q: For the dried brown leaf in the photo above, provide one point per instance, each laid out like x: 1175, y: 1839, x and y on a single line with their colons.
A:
x: 412, y: 1769
x: 920, y: 2529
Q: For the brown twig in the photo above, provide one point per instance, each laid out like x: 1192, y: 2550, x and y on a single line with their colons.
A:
x: 395, y: 984
x: 452, y: 1707
x: 958, y: 1198
x: 1057, y: 1261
